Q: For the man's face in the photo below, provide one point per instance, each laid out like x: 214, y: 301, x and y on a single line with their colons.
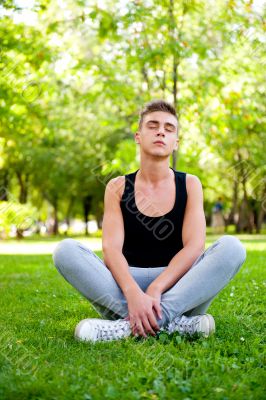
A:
x: 158, y: 126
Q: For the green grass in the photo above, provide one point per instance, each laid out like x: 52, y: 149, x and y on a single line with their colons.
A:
x: 39, y: 359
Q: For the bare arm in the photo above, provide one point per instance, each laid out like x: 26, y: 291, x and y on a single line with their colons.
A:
x: 141, y: 306
x: 113, y: 238
x: 193, y: 236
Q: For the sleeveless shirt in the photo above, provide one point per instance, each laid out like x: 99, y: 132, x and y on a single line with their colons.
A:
x: 152, y: 241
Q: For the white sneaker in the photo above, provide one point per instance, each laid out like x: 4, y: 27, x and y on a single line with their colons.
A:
x: 95, y: 329
x: 200, y: 323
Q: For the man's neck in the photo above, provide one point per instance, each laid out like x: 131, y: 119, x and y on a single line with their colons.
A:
x: 154, y: 172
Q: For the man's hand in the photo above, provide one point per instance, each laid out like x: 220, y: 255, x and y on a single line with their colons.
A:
x: 140, y: 313
x: 156, y: 294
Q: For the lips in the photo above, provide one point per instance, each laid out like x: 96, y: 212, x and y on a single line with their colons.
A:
x: 159, y: 142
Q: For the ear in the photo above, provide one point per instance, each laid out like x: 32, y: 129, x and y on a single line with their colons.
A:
x: 176, y: 144
x: 137, y: 137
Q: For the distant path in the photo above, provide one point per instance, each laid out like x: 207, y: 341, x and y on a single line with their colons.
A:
x: 42, y: 246
x: 47, y: 245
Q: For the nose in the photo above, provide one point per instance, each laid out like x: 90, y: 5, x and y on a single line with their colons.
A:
x: 161, y: 131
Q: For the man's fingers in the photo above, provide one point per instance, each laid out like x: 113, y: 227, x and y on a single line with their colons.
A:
x: 133, y: 325
x: 147, y: 326
x: 158, y: 309
x: 139, y: 327
x: 153, y: 321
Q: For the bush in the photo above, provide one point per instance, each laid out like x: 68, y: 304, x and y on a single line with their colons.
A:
x: 19, y: 216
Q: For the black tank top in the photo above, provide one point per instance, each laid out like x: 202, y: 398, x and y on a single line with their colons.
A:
x: 152, y: 241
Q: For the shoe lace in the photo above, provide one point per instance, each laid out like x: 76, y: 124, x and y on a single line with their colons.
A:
x: 113, y: 330
x: 184, y: 324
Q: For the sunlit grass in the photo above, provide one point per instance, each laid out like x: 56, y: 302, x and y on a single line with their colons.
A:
x: 39, y: 359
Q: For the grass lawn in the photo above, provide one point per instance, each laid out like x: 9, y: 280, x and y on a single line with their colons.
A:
x: 39, y: 358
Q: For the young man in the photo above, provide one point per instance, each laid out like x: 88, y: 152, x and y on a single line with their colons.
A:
x: 155, y: 274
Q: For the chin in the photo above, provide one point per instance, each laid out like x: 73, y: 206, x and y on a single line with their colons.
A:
x: 160, y: 152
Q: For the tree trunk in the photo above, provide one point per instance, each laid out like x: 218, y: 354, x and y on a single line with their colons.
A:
x: 23, y: 185
x: 55, y: 223
x: 245, y: 219
x: 99, y: 220
x: 261, y: 217
x: 86, y: 210
x: 232, y: 215
x: 19, y: 234
x: 261, y: 210
x: 4, y: 183
x: 175, y: 75
x: 146, y: 77
x: 68, y: 213
x: 175, y: 37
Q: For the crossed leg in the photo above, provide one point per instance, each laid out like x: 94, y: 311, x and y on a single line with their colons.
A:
x: 191, y: 295
x: 210, y: 273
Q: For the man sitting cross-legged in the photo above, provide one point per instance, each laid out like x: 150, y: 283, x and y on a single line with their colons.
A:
x: 155, y: 274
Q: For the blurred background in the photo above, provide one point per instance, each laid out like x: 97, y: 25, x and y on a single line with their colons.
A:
x: 74, y: 76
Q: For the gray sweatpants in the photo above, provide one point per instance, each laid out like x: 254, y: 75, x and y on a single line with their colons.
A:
x: 191, y: 295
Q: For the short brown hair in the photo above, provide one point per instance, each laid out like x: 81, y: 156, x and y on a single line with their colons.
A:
x: 156, y: 105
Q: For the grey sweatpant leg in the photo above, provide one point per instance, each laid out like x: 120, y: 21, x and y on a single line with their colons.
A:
x: 191, y: 295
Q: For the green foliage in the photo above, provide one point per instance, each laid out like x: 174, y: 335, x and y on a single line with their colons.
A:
x: 21, y: 216
x: 73, y: 81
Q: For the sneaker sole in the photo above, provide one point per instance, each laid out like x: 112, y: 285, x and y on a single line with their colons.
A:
x: 211, y: 326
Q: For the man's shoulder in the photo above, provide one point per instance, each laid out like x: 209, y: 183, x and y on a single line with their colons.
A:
x: 193, y: 183
x: 116, y: 180
x: 117, y: 184
x: 190, y: 178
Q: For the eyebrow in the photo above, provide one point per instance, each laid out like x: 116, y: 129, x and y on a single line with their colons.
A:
x: 157, y: 122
